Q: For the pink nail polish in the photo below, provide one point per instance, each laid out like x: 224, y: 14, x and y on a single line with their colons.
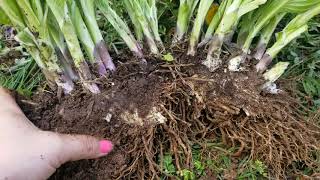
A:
x: 105, y: 146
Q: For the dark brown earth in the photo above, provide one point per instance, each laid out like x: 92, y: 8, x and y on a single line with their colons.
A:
x: 199, y: 107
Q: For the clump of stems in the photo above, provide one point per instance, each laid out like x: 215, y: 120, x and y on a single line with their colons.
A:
x: 233, y: 12
x: 51, y: 31
x: 258, y: 21
x: 100, y: 49
x: 121, y: 27
x: 143, y: 14
x: 294, y: 29
x: 266, y: 35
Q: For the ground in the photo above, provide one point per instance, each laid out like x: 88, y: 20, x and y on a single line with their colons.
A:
x: 180, y: 120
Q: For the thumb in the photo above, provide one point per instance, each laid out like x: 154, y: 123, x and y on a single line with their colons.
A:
x: 77, y: 147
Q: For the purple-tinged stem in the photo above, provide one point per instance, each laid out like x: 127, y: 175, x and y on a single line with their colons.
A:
x: 105, y: 56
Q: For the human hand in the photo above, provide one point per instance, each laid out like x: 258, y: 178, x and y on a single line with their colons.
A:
x: 27, y: 152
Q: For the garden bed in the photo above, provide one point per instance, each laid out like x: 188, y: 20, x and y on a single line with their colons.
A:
x: 151, y: 110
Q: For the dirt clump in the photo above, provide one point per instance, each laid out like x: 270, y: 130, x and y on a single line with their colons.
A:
x: 167, y: 108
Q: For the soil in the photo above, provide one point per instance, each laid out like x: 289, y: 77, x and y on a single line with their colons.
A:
x: 150, y: 110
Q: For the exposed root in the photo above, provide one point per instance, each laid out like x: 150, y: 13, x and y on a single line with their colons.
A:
x: 267, y: 128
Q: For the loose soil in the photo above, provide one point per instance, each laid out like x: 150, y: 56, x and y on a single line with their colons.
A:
x: 150, y: 110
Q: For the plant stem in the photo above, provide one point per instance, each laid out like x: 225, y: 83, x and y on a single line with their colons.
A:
x: 152, y: 17
x: 203, y: 9
x: 61, y: 48
x: 294, y: 29
x: 137, y: 27
x: 88, y: 10
x: 30, y: 17
x: 185, y: 13
x: 59, y: 9
x: 266, y: 13
x: 85, y: 37
x: 51, y: 70
x: 121, y: 27
x: 214, y: 23
x: 266, y: 35
x: 227, y: 23
x: 140, y: 17
x: 213, y: 60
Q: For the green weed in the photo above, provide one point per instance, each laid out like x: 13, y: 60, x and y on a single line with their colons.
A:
x: 168, y: 165
x: 252, y: 170
x: 304, y: 55
x: 219, y: 162
x: 23, y: 77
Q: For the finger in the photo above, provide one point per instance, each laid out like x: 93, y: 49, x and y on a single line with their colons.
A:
x: 77, y: 147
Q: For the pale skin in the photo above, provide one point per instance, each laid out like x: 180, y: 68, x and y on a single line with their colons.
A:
x: 28, y: 153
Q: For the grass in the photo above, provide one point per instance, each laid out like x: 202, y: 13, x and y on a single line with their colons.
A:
x: 24, y: 76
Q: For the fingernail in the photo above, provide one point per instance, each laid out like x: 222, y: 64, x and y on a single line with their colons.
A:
x: 105, y: 147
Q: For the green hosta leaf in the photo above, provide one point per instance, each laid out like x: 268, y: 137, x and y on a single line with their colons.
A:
x: 303, y: 18
x: 294, y: 29
x: 262, y: 17
x: 249, y: 5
